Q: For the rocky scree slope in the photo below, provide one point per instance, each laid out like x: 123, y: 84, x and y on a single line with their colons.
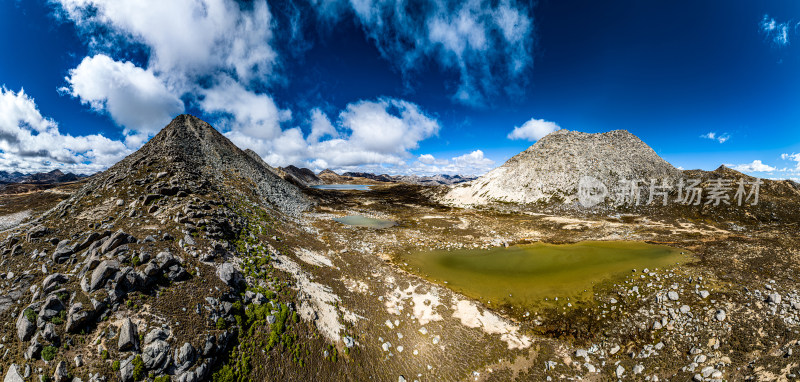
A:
x: 552, y: 167
x: 303, y: 175
x: 153, y: 270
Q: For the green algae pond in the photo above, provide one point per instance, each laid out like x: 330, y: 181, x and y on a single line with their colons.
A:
x: 363, y: 221
x: 534, y: 275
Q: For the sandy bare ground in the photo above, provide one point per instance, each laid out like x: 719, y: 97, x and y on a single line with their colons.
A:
x: 12, y: 220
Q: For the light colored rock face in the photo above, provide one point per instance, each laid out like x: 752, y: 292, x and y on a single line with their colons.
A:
x: 13, y: 374
x: 554, y: 166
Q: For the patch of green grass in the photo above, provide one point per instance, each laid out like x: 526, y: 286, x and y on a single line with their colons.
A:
x: 30, y: 315
x: 138, y: 368
x: 115, y: 365
x: 49, y: 353
x: 221, y: 324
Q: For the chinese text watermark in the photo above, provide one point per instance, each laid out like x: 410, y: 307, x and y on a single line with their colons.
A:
x: 693, y: 191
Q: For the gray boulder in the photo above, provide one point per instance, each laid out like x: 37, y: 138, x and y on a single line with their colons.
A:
x: 117, y: 238
x: 52, y: 306
x: 94, y: 236
x: 34, y: 350
x: 77, y: 317
x: 53, y: 281
x: 156, y: 356
x: 155, y: 334
x: 166, y: 260
x: 106, y: 269
x: 61, y: 374
x: 25, y: 328
x: 208, y: 348
x: 184, y: 357
x: 128, y: 336
x: 63, y: 252
x: 126, y: 370
x: 49, y: 333
x: 229, y: 275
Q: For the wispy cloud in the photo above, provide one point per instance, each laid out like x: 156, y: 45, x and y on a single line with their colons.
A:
x: 489, y: 44
x: 794, y: 157
x: 721, y: 138
x: 778, y: 33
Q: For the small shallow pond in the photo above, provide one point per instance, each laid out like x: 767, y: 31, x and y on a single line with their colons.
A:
x: 525, y: 275
x: 341, y: 187
x: 363, y: 221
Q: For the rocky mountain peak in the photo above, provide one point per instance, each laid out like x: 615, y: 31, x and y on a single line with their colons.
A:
x: 553, y: 166
x: 189, y: 156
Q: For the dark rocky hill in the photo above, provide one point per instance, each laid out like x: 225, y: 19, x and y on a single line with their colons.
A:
x: 146, y: 269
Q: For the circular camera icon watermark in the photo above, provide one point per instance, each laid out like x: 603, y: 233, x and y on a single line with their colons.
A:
x: 591, y: 191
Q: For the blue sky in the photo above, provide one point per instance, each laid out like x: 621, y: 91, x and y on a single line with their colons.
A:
x: 401, y: 86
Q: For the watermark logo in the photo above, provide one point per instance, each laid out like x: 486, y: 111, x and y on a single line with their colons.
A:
x: 591, y: 191
x: 693, y: 191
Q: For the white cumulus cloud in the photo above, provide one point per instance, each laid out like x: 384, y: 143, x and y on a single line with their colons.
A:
x: 132, y: 96
x: 379, y: 132
x: 533, y: 130
x: 254, y: 115
x: 29, y: 142
x: 755, y: 166
x: 186, y: 38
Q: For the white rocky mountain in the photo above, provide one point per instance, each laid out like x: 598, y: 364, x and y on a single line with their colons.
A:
x: 551, y: 169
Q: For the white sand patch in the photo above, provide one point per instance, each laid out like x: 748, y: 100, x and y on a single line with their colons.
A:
x: 434, y: 217
x: 316, y: 301
x: 424, y: 304
x: 491, y: 323
x: 313, y: 257
x: 12, y: 220
x: 356, y: 286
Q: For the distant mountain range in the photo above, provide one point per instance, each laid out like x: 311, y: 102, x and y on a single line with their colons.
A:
x: 329, y: 176
x: 55, y: 176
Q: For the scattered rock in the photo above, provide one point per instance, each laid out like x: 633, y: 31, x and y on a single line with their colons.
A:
x: 229, y: 275
x: 672, y: 295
